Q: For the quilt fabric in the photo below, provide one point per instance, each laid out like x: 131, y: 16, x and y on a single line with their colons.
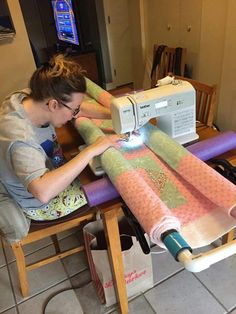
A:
x: 163, y: 184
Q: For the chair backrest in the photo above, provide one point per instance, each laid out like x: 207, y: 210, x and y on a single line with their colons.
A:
x: 171, y: 60
x: 205, y: 100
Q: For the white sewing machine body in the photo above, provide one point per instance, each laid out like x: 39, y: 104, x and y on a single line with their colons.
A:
x: 174, y: 105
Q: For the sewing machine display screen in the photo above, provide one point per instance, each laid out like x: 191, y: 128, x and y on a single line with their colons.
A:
x: 161, y: 104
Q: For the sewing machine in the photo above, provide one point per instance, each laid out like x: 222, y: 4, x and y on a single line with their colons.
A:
x: 173, y: 105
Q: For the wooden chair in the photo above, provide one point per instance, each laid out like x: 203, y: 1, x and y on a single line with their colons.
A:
x: 41, y: 230
x: 168, y: 63
x: 205, y: 100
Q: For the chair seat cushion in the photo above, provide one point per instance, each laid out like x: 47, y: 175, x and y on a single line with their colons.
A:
x: 36, y: 225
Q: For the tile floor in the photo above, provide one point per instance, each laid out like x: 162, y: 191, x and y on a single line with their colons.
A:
x: 212, y: 291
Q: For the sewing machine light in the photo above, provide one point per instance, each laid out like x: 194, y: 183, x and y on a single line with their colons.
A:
x: 135, y: 140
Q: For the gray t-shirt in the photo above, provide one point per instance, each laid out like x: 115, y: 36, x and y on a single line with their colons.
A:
x: 26, y: 151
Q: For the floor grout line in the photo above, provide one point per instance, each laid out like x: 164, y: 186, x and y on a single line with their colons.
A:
x: 10, y: 308
x: 231, y: 310
x: 10, y: 278
x: 37, y: 250
x: 166, y: 278
x: 66, y: 272
x: 70, y: 277
x: 211, y: 293
x: 42, y: 291
x: 149, y: 304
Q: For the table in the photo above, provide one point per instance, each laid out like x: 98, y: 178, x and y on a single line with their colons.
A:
x: 112, y: 210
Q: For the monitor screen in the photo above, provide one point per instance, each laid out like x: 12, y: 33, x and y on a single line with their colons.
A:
x: 65, y: 21
x: 7, y: 29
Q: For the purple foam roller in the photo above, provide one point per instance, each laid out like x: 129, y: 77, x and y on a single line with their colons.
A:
x: 213, y: 147
x: 100, y: 191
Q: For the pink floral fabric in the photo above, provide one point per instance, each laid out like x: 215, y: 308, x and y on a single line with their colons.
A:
x: 166, y: 187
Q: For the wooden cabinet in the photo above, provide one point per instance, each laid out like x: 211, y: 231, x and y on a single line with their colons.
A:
x: 163, y: 22
x: 88, y: 62
x: 176, y: 23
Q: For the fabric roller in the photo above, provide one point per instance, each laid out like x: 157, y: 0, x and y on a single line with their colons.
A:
x: 213, y: 147
x: 102, y: 190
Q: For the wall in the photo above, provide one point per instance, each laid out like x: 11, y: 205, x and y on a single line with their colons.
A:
x: 16, y: 62
x: 214, y: 14
x: 226, y: 116
x: 167, y: 23
x: 211, y: 44
x: 138, y: 52
x: 212, y: 55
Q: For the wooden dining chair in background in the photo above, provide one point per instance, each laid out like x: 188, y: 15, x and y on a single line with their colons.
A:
x: 205, y: 100
x: 167, y: 60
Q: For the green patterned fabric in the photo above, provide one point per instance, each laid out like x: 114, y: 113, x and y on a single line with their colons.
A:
x: 93, y: 89
x: 63, y: 204
x: 162, y: 145
x: 169, y: 194
x: 111, y: 156
x: 88, y: 132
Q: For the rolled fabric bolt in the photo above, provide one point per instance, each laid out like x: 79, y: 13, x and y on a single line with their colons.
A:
x: 100, y: 191
x: 213, y: 147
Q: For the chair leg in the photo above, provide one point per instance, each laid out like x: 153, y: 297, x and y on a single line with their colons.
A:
x: 56, y: 243
x: 228, y: 237
x: 21, y: 266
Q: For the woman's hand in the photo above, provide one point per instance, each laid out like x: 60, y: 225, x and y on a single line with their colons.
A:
x: 102, y: 144
x: 58, y: 179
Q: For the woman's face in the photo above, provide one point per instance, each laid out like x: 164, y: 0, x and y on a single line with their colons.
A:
x: 66, y: 111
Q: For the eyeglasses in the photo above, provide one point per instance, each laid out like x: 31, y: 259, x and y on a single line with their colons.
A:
x: 74, y: 111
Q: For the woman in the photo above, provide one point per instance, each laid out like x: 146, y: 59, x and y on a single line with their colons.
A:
x: 30, y: 154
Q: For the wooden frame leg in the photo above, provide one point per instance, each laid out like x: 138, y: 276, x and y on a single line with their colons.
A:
x: 56, y: 243
x: 114, y: 250
x: 228, y: 237
x: 21, y: 266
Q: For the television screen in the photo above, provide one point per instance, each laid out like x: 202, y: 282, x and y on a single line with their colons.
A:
x: 65, y: 21
x: 6, y: 26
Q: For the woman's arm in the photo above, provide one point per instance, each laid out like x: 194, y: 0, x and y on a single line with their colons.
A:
x: 53, y: 182
x: 94, y: 110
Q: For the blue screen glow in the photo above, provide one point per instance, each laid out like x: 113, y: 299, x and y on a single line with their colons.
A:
x: 65, y: 21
